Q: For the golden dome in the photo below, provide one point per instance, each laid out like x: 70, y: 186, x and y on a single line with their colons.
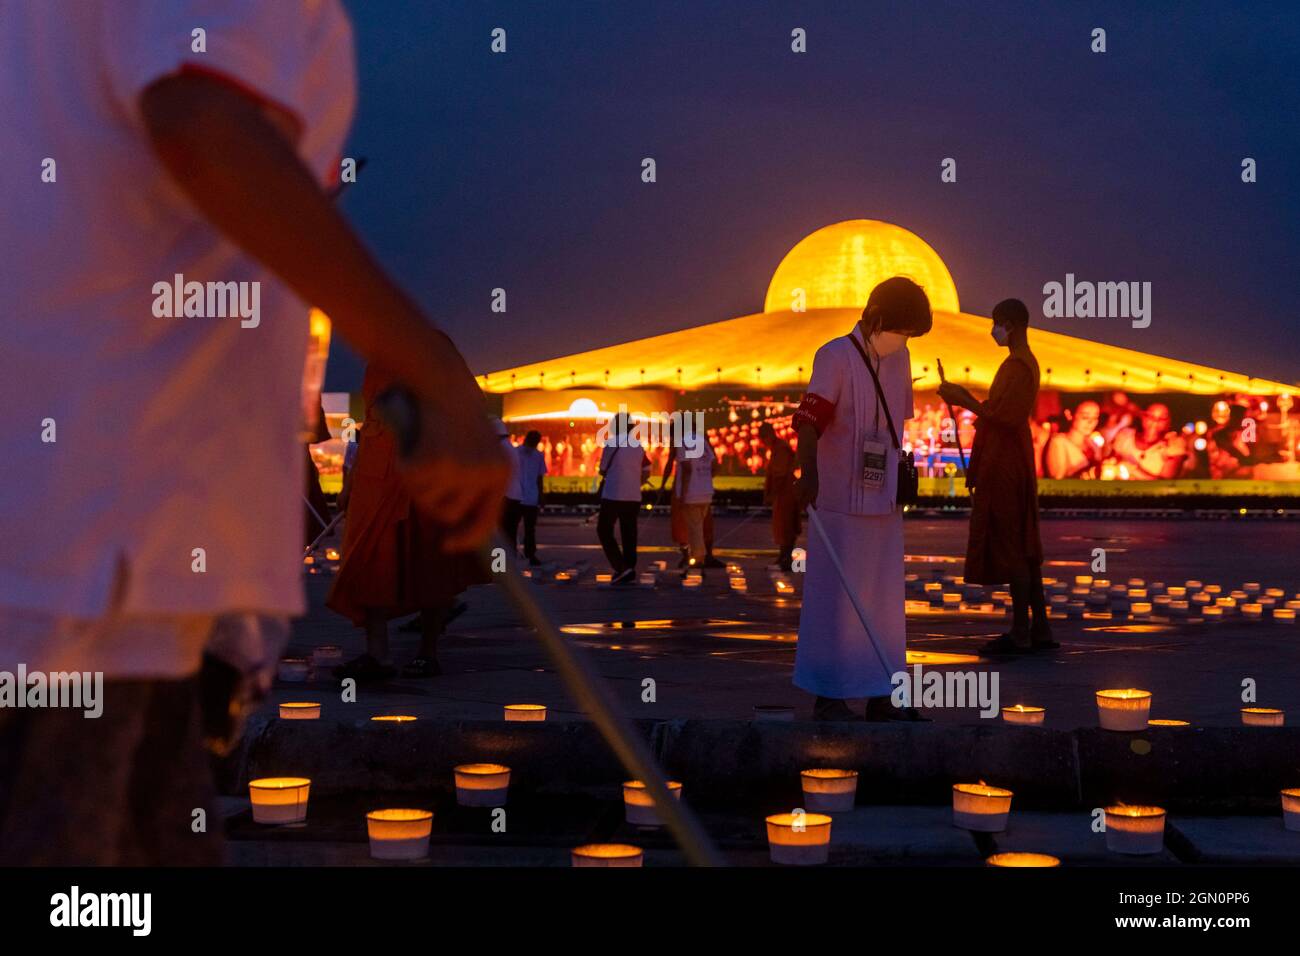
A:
x: 838, y: 266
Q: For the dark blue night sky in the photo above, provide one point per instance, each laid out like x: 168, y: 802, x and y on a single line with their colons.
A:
x: 523, y: 170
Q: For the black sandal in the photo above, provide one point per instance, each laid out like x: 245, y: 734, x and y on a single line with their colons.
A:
x: 365, y: 668
x: 1005, y: 644
x: 422, y: 667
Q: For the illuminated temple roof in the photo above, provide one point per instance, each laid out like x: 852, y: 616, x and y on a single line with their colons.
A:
x: 833, y: 270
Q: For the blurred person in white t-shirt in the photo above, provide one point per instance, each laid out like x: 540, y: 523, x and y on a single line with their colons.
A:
x: 693, y: 489
x: 154, y: 158
x: 624, y: 468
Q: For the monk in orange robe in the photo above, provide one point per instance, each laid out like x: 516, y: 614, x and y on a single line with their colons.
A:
x: 393, y: 564
x: 778, y: 492
x: 1005, y: 546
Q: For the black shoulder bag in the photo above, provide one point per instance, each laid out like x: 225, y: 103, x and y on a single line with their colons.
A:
x: 908, y: 485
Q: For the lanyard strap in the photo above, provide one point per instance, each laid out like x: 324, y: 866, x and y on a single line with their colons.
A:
x: 880, y: 392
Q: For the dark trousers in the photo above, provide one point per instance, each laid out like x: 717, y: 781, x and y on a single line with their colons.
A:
x: 1027, y: 595
x: 510, y: 518
x: 117, y: 790
x: 625, y: 513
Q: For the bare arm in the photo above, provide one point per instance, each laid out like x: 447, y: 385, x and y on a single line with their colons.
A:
x: 237, y: 166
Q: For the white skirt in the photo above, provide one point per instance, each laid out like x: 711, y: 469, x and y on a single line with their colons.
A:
x: 834, y: 657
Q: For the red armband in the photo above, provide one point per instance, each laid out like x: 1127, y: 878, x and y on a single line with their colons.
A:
x: 815, y: 411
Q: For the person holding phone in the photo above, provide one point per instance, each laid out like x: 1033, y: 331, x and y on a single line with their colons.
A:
x: 1004, y: 545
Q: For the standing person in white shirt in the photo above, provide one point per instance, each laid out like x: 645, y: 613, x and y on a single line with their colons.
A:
x: 524, y: 496
x: 849, y: 472
x: 156, y: 159
x: 624, y: 468
x: 693, y: 488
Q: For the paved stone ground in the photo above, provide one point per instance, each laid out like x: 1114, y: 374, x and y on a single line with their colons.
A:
x: 715, y: 653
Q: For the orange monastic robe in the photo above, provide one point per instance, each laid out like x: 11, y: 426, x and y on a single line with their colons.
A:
x: 1004, y: 537
x: 392, y: 557
x: 778, y: 489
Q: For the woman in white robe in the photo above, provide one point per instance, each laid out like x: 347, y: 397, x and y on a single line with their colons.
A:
x: 849, y: 472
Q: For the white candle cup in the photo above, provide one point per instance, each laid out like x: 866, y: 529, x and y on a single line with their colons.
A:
x: 1194, y: 585
x: 327, y: 655
x: 738, y: 583
x: 1140, y: 610
x: 773, y: 712
x: 829, y: 790
x: 1283, y: 615
x: 1125, y: 710
x: 399, y: 834
x: 1135, y: 831
x: 1083, y: 580
x: 1168, y: 723
x: 1252, y: 612
x: 603, y: 579
x: 798, y: 838
x: 299, y: 710
x: 1020, y: 714
x: 1263, y: 717
x: 279, y: 800
x: 524, y: 713
x: 1214, y: 590
x: 1291, y: 809
x: 639, y: 808
x: 482, y: 784
x: 293, y: 670
x: 1176, y: 593
x: 979, y: 807
x: 387, y: 719
x: 606, y: 854
x: 1022, y: 860
x: 646, y: 579
x: 692, y: 580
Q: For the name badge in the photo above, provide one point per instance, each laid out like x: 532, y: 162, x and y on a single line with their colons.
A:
x: 875, y: 459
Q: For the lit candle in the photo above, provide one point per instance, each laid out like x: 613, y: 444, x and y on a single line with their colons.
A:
x: 1177, y: 593
x: 951, y: 602
x: 979, y: 807
x: 1251, y: 587
x: 1020, y: 714
x: 1140, y: 609
x: 934, y: 592
x: 1212, y: 612
x: 773, y: 712
x: 1123, y: 709
x: 392, y: 719
x: 399, y: 834
x: 1252, y: 612
x: 482, y: 784
x: 1291, y: 808
x: 299, y: 710
x: 1022, y: 859
x: 783, y: 586
x: 799, y: 838
x: 1201, y: 599
x: 526, y: 713
x: 563, y: 576
x: 293, y: 669
x: 829, y: 791
x: 606, y: 854
x: 1135, y: 830
x: 1275, y: 593
x: 1165, y: 722
x: 1101, y: 584
x: 1137, y: 582
x: 1283, y: 615
x: 1213, y: 589
x: 738, y: 583
x: 1083, y: 580
x: 1137, y: 594
x: 331, y: 554
x: 1263, y: 717
x: 279, y: 800
x: 646, y: 579
x: 639, y: 807
x: 1179, y: 608
x: 1194, y: 585
x: 603, y: 578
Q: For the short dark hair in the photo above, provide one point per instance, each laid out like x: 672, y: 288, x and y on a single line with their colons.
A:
x: 898, y: 305
x: 1011, y: 312
x: 533, y: 438
x: 766, y: 429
